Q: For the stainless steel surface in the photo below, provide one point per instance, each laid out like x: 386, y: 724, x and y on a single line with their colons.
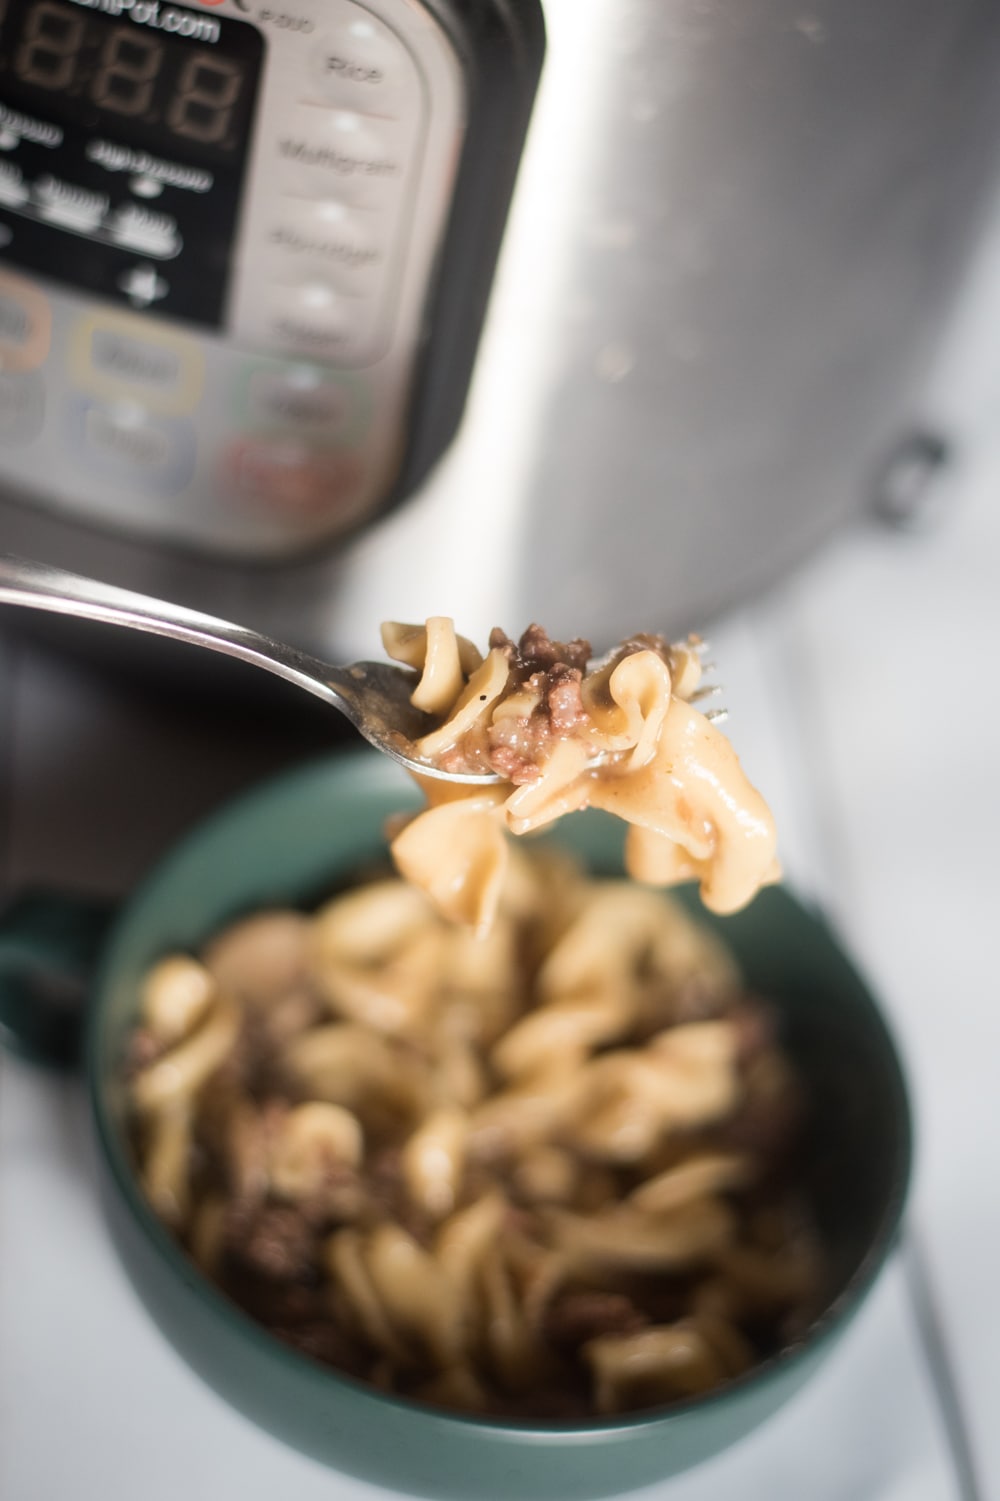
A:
x: 374, y: 696
x: 243, y: 388
x: 736, y: 234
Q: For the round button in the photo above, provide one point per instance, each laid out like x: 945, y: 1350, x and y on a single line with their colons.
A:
x: 297, y: 481
x: 130, y: 444
x: 364, y: 144
x: 310, y: 317
x: 358, y: 60
x: 343, y: 154
x: 327, y: 233
x: 301, y: 396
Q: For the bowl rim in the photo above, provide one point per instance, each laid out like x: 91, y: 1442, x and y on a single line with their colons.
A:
x: 370, y: 768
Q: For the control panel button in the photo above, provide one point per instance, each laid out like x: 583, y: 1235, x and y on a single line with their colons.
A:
x: 126, y: 434
x: 132, y: 445
x: 296, y: 480
x: 127, y: 359
x: 25, y: 324
x: 119, y: 356
x: 338, y: 153
x: 328, y: 233
x: 314, y: 318
x: 22, y: 408
x: 302, y: 396
x: 358, y: 60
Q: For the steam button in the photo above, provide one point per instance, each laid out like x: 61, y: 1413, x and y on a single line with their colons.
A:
x: 313, y: 319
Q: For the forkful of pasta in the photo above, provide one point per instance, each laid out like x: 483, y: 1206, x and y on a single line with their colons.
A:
x: 562, y: 732
x: 504, y: 742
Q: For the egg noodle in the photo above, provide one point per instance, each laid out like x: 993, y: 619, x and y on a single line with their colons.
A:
x: 543, y: 1173
x: 624, y: 734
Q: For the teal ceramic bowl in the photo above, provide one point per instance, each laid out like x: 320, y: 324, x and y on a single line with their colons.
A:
x: 285, y: 844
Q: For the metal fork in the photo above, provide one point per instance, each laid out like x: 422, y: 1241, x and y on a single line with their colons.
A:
x: 374, y: 696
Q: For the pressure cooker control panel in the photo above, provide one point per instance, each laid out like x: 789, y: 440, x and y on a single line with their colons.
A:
x: 219, y: 230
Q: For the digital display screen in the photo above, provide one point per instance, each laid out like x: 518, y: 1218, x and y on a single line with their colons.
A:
x: 160, y: 75
x: 125, y: 129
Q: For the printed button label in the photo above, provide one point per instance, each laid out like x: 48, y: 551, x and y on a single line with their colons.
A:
x: 133, y: 446
x: 113, y: 354
x: 67, y: 204
x: 326, y: 234
x: 298, y: 481
x: 145, y: 230
x: 134, y: 360
x: 328, y: 151
x: 302, y: 398
x: 357, y: 59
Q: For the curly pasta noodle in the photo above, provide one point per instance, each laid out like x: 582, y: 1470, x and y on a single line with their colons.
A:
x: 623, y: 734
x: 542, y: 1175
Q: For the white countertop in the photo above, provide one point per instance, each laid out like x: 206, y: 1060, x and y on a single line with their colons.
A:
x: 862, y: 700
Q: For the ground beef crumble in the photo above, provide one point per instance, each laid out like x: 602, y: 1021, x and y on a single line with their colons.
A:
x: 552, y: 671
x: 537, y: 652
x: 277, y: 1242
x: 576, y: 1317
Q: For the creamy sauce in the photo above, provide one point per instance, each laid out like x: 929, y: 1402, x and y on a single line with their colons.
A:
x: 623, y: 736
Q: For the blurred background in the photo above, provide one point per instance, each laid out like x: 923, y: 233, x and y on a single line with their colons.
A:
x: 738, y: 373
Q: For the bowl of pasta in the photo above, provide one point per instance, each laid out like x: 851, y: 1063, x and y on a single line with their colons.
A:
x: 553, y: 1211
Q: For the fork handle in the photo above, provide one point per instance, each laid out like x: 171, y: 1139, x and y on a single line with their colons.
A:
x: 43, y: 587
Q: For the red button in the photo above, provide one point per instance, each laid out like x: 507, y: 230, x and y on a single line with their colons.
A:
x: 293, y: 479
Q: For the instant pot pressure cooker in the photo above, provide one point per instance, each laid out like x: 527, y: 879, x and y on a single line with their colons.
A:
x: 246, y: 249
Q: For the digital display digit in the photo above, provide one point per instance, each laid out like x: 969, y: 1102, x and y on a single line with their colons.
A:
x: 124, y: 139
x: 176, y: 79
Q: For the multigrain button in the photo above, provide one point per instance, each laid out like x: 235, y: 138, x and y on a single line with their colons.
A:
x: 341, y: 153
